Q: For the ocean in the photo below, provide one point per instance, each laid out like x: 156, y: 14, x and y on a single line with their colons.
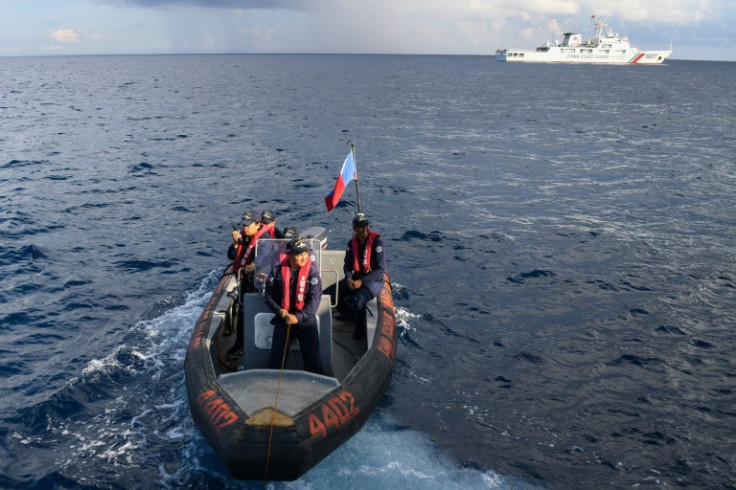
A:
x: 560, y: 240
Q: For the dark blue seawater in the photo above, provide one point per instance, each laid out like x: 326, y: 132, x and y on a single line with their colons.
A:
x: 561, y: 241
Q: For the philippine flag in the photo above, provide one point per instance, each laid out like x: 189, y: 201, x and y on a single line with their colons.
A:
x: 347, y: 174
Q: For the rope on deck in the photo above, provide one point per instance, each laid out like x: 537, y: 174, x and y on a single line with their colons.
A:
x: 276, y: 401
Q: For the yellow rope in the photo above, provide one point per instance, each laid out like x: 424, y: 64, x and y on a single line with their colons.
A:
x: 276, y: 401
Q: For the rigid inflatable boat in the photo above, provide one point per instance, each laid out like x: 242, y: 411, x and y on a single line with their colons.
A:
x: 272, y: 424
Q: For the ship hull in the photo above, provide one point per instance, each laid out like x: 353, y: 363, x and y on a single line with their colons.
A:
x: 582, y: 56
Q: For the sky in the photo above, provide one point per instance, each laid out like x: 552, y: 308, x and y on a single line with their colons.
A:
x: 696, y: 29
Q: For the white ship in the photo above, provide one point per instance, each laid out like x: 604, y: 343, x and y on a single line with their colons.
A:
x: 609, y: 48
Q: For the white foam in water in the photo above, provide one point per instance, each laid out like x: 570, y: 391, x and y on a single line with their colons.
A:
x: 380, y: 456
x: 170, y: 333
x: 102, y: 365
x: 152, y: 390
x: 403, y: 317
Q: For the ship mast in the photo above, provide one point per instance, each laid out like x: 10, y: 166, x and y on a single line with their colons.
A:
x: 598, y: 30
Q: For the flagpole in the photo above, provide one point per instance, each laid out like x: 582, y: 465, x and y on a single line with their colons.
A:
x: 355, y: 162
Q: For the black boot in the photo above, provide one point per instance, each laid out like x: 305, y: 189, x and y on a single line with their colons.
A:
x: 236, y: 351
x: 360, y: 326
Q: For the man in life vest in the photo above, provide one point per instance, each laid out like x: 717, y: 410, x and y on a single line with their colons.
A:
x: 293, y: 294
x: 241, y: 237
x: 365, y: 266
x: 269, y: 221
x: 243, y: 249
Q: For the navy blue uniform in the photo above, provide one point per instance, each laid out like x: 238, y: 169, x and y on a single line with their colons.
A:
x: 305, y: 330
x: 373, y: 280
x: 353, y: 302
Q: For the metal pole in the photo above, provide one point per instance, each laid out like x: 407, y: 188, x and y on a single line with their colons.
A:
x: 355, y: 161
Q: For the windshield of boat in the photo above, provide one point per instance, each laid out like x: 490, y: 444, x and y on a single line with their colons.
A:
x: 271, y: 252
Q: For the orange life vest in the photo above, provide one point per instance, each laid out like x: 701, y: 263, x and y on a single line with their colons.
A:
x: 364, y: 265
x: 301, y: 285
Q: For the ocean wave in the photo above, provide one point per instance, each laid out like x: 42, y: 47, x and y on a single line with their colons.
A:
x: 13, y: 164
x: 142, y: 265
x: 27, y: 253
x: 106, y: 416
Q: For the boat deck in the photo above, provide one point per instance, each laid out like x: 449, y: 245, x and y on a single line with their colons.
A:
x: 249, y: 381
x: 256, y: 388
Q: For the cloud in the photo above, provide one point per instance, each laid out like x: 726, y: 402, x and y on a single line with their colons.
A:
x: 676, y: 11
x: 390, y: 26
x: 71, y: 36
x: 66, y: 36
x: 298, y: 5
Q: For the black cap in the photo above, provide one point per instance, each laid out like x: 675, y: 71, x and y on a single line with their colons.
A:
x: 360, y: 220
x: 268, y: 217
x: 248, y: 218
x: 296, y: 246
x: 290, y: 232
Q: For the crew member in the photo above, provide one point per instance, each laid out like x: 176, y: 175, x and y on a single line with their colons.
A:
x: 294, y: 294
x: 249, y: 226
x: 253, y: 230
x: 364, y: 267
x: 269, y: 221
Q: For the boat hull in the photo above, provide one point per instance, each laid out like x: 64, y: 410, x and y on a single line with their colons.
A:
x: 254, y: 451
x: 578, y: 56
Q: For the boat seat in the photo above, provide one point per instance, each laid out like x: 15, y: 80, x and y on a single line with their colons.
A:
x: 259, y: 330
x: 331, y: 267
x: 224, y: 309
x: 331, y: 270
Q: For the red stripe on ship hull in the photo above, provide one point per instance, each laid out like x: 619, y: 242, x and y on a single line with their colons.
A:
x: 636, y: 60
